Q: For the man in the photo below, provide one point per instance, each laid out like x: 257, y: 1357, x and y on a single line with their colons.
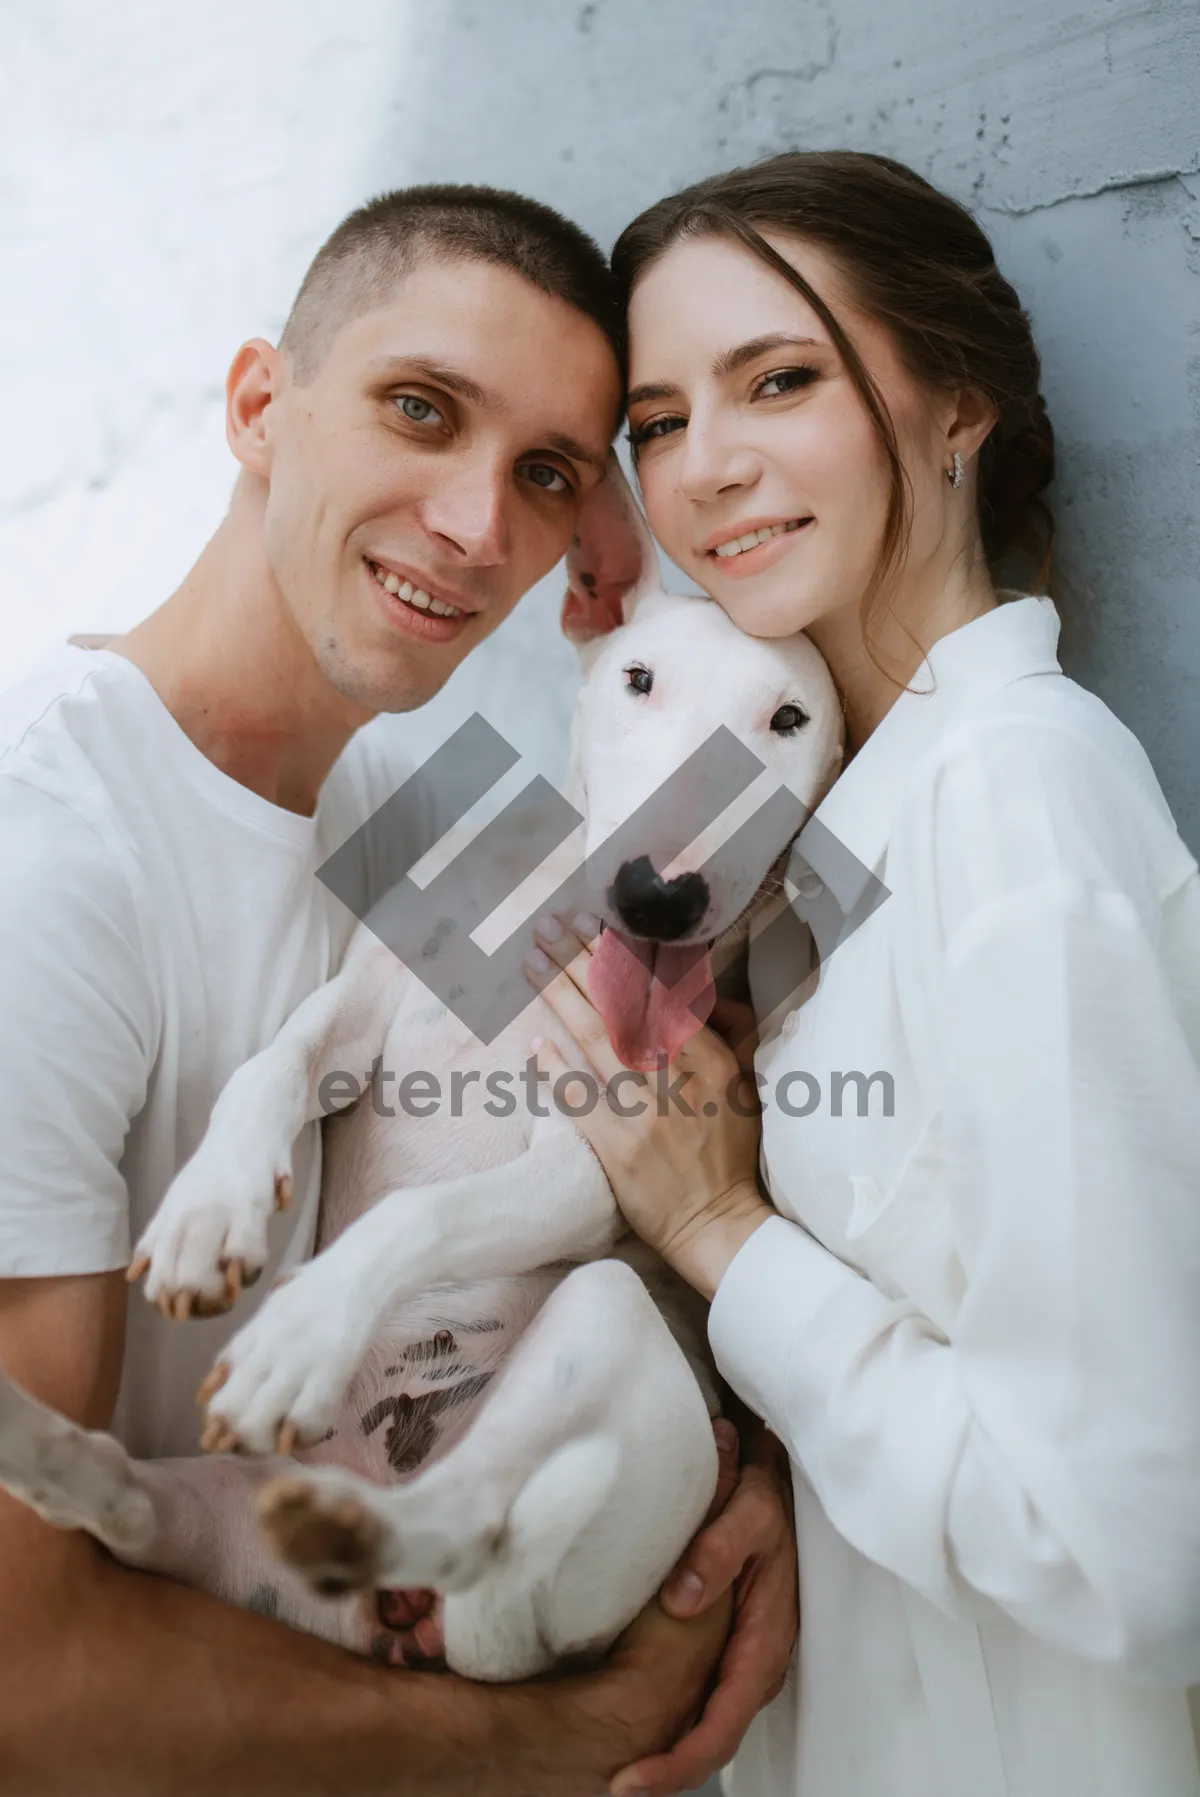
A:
x: 413, y: 458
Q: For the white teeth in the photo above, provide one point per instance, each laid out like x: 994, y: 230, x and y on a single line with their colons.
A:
x: 416, y: 596
x: 752, y: 538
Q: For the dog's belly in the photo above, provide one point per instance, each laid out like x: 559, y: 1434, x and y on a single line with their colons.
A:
x: 427, y: 1373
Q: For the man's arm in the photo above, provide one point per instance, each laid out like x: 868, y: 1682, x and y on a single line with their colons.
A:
x: 114, y: 1681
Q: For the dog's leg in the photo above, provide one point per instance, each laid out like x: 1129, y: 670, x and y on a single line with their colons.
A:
x: 560, y: 1511
x: 289, y: 1368
x: 209, y: 1234
x: 189, y: 1519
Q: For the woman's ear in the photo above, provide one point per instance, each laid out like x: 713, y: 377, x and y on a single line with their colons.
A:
x: 970, y: 422
x: 611, y: 561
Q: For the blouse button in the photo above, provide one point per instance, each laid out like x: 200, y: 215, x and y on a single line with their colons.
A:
x: 809, y: 886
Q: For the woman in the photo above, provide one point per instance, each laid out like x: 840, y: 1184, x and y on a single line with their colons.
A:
x: 972, y: 1314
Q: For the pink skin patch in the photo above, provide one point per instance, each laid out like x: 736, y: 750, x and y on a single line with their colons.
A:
x: 652, y: 996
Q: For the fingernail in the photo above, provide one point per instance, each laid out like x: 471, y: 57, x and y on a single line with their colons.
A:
x: 725, y: 1433
x: 586, y: 924
x: 620, y: 1790
x: 536, y: 1044
x: 537, y: 962
x: 685, y: 1590
x: 549, y: 928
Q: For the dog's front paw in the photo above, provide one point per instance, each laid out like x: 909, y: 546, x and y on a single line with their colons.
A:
x: 208, y: 1238
x: 281, y: 1379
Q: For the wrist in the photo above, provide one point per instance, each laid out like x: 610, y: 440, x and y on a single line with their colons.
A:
x: 702, y: 1251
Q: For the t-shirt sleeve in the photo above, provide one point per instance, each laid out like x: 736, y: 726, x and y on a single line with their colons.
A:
x: 76, y: 1042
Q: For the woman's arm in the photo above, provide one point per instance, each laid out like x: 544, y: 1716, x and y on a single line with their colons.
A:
x: 1048, y: 1460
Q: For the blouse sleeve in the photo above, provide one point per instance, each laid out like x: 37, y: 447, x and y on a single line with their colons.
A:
x: 1046, y: 1459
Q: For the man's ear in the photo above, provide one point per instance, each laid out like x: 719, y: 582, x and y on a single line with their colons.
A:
x: 611, y: 561
x: 255, y: 378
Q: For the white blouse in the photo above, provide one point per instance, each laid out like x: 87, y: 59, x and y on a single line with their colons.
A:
x: 976, y: 1321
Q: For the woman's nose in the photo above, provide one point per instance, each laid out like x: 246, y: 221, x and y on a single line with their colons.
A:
x: 715, y: 461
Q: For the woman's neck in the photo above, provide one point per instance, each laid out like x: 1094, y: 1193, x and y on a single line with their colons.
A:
x: 901, y: 634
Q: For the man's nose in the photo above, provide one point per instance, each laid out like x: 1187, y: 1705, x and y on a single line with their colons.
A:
x: 648, y: 905
x: 469, y: 512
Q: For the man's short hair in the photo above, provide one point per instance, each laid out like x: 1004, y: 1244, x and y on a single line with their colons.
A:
x: 355, y: 271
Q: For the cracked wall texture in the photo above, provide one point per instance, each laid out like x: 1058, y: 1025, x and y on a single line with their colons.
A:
x: 161, y: 196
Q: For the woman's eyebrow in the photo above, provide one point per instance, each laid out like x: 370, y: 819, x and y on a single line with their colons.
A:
x: 728, y: 362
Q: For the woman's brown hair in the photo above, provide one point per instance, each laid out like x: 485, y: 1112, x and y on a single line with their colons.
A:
x: 918, y: 263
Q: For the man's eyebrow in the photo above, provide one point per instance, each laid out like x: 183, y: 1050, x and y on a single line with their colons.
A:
x: 571, y: 446
x: 450, y: 378
x: 728, y: 362
x: 462, y: 384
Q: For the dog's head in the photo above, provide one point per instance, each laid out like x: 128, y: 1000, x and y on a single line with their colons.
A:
x: 662, y: 674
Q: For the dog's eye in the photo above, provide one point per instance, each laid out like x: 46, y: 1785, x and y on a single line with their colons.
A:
x: 639, y: 680
x: 789, y: 718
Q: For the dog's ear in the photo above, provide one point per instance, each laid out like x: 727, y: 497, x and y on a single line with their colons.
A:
x: 611, y: 561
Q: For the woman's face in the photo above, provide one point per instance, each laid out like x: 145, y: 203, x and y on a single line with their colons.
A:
x: 745, y: 420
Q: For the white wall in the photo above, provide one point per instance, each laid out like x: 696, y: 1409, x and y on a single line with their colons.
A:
x: 168, y: 169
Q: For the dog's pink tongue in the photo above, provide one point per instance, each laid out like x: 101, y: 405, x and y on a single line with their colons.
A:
x: 651, y: 996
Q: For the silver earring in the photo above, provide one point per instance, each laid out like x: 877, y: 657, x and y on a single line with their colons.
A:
x: 955, y: 475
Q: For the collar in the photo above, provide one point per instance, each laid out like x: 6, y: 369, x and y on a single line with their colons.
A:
x: 1017, y: 638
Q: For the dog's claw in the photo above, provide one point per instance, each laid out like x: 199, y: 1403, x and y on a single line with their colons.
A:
x: 137, y: 1268
x: 214, y: 1382
x: 286, y: 1443
x: 283, y: 1190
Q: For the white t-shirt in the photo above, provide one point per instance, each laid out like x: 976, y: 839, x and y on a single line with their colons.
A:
x: 158, y: 923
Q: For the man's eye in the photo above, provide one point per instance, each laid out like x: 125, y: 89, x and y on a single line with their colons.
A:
x: 549, y: 479
x: 639, y: 680
x: 419, y: 410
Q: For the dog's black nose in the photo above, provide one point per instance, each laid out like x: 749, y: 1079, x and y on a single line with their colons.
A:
x: 650, y: 906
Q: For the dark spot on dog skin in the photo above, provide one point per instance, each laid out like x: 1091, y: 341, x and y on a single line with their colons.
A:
x: 328, y: 1436
x: 331, y: 1586
x: 263, y: 1601
x: 589, y: 581
x: 415, y: 1423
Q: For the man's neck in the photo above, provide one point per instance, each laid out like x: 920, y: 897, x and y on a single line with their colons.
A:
x: 232, y: 667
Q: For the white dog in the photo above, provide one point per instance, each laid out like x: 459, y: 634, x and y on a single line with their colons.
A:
x: 548, y: 1449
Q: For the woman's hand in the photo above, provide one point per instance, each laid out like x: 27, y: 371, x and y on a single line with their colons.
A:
x: 680, y: 1145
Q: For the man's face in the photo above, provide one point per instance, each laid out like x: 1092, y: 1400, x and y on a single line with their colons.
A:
x: 443, y: 448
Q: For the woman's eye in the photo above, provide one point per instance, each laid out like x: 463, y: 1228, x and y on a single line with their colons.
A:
x: 419, y: 410
x: 788, y: 719
x: 545, y: 477
x: 785, y: 380
x: 639, y: 680
x: 639, y: 434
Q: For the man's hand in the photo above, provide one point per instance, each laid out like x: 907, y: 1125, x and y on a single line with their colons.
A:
x: 751, y: 1545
